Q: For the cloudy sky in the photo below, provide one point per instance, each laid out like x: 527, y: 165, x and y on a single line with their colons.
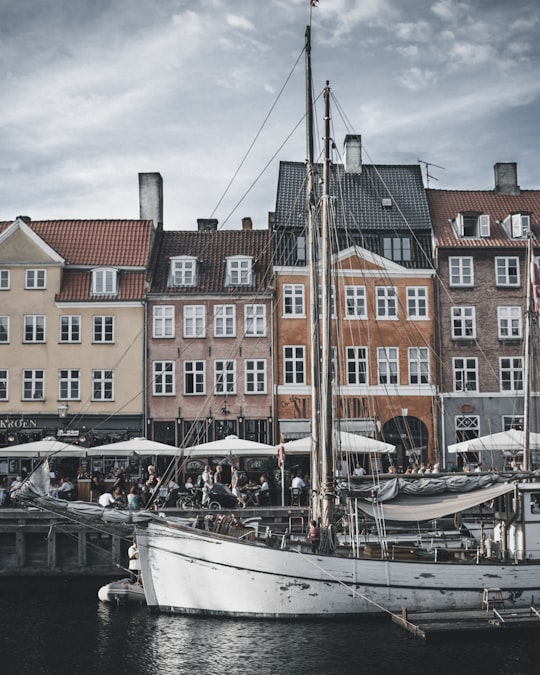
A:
x: 96, y: 91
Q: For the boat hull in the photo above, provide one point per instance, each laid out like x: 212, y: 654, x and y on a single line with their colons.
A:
x: 196, y: 572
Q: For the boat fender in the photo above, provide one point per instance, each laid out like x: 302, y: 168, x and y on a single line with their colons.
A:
x: 332, y: 539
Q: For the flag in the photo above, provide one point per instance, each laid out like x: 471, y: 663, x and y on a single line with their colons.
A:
x: 314, y: 3
x: 281, y: 452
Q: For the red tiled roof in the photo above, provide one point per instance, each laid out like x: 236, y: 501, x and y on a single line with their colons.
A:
x: 118, y: 243
x: 76, y: 286
x: 446, y: 204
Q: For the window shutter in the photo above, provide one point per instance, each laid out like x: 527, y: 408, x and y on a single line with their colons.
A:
x: 483, y: 222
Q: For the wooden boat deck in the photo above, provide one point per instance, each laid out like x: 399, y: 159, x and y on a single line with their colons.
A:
x: 432, y: 624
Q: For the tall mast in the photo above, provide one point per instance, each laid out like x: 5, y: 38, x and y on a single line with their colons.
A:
x: 527, y: 358
x: 311, y: 226
x: 327, y: 472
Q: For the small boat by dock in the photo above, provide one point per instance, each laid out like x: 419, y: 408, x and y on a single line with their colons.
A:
x: 122, y: 591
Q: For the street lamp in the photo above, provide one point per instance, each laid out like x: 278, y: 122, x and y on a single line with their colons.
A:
x: 63, y: 410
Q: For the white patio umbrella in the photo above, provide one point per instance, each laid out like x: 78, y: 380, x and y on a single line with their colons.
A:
x: 344, y: 442
x: 232, y: 445
x: 134, y: 446
x: 43, y: 448
x: 512, y: 440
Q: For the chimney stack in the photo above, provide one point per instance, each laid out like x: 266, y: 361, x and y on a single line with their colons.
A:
x: 247, y: 224
x: 151, y: 198
x: 207, y: 224
x: 352, y: 152
x: 506, y: 178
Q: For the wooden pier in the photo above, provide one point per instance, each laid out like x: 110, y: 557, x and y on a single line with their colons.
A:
x: 427, y: 625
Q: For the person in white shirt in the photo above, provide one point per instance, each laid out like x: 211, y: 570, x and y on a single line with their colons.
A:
x: 106, y: 500
x: 359, y: 470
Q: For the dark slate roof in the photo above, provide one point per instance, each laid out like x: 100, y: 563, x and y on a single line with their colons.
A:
x: 358, y: 197
x: 115, y: 243
x: 211, y: 248
x: 446, y: 204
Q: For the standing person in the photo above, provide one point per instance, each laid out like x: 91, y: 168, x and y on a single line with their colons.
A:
x: 314, y: 536
x: 218, y: 475
x: 134, y: 563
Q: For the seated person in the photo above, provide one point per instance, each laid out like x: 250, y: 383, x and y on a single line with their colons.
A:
x: 263, y: 495
x: 106, y: 500
x: 66, y: 489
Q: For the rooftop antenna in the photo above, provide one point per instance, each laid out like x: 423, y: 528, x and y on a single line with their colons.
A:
x: 428, y: 175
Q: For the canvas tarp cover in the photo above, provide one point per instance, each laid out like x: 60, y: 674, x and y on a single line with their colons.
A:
x: 430, y: 507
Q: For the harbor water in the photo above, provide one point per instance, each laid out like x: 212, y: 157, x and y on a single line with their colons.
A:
x: 58, y: 626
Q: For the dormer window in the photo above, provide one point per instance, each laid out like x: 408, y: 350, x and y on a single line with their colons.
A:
x: 239, y: 271
x: 472, y: 224
x: 105, y: 281
x: 517, y: 225
x: 183, y: 271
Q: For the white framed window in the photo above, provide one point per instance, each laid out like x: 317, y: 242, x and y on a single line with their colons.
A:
x: 35, y: 280
x: 511, y: 373
x: 183, y: 271
x: 163, y: 321
x: 357, y: 365
x: 294, y: 364
x: 102, y: 385
x: 225, y: 376
x: 463, y: 323
x: 388, y: 365
x: 224, y: 320
x: 386, y: 302
x: 255, y: 320
x: 33, y: 384
x: 417, y: 302
x: 103, y: 329
x: 4, y: 280
x: 4, y: 382
x: 255, y: 376
x: 418, y: 365
x: 397, y: 248
x: 465, y: 374
x: 69, y: 384
x: 70, y: 328
x: 194, y: 377
x: 239, y: 271
x: 461, y: 271
x: 507, y: 271
x: 467, y: 427
x: 472, y: 224
x: 105, y: 281
x: 355, y: 302
x: 163, y: 378
x: 4, y: 329
x: 34, y: 328
x: 509, y: 321
x: 293, y: 300
x: 194, y: 321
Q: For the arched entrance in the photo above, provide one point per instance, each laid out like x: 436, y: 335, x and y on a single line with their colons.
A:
x: 410, y: 436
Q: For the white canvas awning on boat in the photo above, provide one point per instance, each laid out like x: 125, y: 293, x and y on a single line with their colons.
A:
x: 417, y: 509
x: 512, y: 440
x: 343, y: 442
x: 232, y: 445
x: 134, y: 446
x: 47, y: 447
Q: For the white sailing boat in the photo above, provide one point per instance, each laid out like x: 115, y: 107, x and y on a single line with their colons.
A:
x: 194, y: 571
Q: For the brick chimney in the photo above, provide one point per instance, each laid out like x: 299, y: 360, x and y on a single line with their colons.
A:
x: 352, y: 152
x: 506, y: 178
x: 151, y: 198
x: 207, y: 224
x: 247, y: 224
